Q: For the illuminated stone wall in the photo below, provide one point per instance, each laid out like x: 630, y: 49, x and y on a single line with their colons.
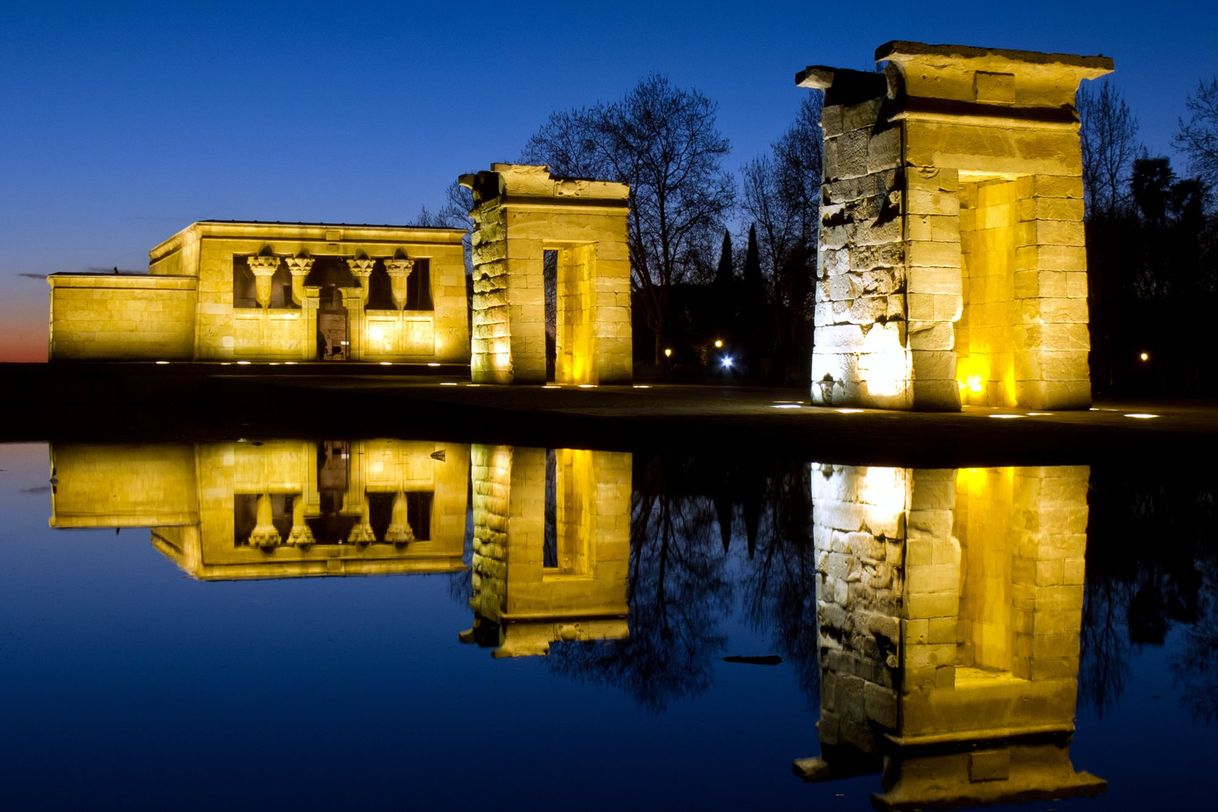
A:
x: 520, y: 212
x: 523, y: 602
x: 111, y: 316
x: 952, y: 265
x: 949, y: 605
x: 185, y: 308
x: 132, y: 485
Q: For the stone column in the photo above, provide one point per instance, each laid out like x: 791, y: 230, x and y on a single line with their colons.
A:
x: 361, y: 269
x: 399, y: 530
x: 264, y: 268
x: 299, y: 267
x: 264, y: 533
x: 300, y: 533
x: 399, y: 273
x: 361, y: 532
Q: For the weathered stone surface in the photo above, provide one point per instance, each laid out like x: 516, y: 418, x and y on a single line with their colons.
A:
x: 974, y: 214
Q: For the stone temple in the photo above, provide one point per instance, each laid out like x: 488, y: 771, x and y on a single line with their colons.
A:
x: 224, y: 290
x: 952, y: 264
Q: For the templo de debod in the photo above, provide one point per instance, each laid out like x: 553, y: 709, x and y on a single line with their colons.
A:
x: 952, y: 264
x: 273, y: 292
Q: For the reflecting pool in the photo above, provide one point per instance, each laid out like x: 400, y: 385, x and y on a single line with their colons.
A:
x: 388, y: 623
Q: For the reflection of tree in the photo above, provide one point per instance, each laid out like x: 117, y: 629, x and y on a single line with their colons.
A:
x: 1148, y: 552
x: 1193, y: 666
x: 780, y: 584
x: 677, y: 591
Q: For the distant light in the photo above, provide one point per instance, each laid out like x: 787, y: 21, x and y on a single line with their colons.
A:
x: 642, y: 386
x: 668, y: 352
x: 448, y: 383
x: 727, y: 362
x: 1094, y: 409
x: 473, y: 384
x: 974, y: 384
x: 1040, y: 414
x: 1144, y: 356
x: 274, y: 363
x: 849, y: 411
x: 433, y: 363
x: 551, y: 386
x: 243, y: 363
x: 289, y: 363
x: 718, y: 343
x: 161, y: 363
x: 386, y: 363
x: 1007, y: 416
x: 587, y: 386
x: 785, y: 406
x: 1141, y: 415
x: 226, y: 363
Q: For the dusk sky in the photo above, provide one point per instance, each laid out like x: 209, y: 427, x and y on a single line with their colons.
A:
x: 123, y: 123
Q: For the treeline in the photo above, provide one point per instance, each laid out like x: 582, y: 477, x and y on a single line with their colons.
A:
x: 710, y: 302
x: 1152, y: 248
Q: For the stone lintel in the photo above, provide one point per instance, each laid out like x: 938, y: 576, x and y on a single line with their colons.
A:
x: 527, y: 182
x: 990, y: 76
x: 843, y: 85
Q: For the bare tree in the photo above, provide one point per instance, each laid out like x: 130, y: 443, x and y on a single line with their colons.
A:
x: 782, y: 197
x: 662, y: 141
x: 1198, y: 136
x: 1109, y: 133
x: 458, y: 201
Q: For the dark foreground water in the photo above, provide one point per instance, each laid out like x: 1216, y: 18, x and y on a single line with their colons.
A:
x: 368, y: 625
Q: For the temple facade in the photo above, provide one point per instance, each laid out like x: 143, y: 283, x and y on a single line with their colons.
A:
x: 231, y: 291
x: 952, y: 267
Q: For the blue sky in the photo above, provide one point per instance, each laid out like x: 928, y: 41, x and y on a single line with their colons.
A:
x: 123, y: 123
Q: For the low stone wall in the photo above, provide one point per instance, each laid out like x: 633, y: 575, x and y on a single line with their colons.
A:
x: 122, y: 317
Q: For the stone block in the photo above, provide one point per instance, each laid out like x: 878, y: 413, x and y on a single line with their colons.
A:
x: 943, y: 280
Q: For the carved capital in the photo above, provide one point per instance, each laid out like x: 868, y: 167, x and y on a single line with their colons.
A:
x: 300, y: 266
x: 361, y: 268
x: 263, y: 265
x: 399, y: 271
x: 399, y: 267
x: 264, y: 534
x: 399, y: 530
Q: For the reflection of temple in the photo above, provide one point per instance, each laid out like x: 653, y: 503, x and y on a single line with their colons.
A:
x: 275, y: 509
x: 551, y: 547
x: 949, y: 605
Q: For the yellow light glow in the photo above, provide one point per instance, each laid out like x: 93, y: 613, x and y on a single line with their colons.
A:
x: 884, y: 363
x: 448, y: 383
x: 784, y: 406
x: 642, y: 386
x: 849, y: 411
x: 1007, y: 416
x: 433, y: 363
x: 1144, y: 357
x: 289, y: 363
x: 587, y: 386
x: 718, y: 343
x: 503, y: 360
x: 884, y: 490
x: 243, y: 363
x: 161, y: 363
x: 386, y: 363
x: 668, y: 352
x: 1141, y: 415
x: 975, y: 384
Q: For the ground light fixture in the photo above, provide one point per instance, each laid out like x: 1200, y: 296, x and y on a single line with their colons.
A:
x: 1141, y: 415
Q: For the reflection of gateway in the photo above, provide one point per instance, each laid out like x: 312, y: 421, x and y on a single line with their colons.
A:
x: 948, y: 611
x: 551, y: 547
x: 275, y: 510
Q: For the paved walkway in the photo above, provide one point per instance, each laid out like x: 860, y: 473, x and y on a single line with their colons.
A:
x: 135, y: 401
